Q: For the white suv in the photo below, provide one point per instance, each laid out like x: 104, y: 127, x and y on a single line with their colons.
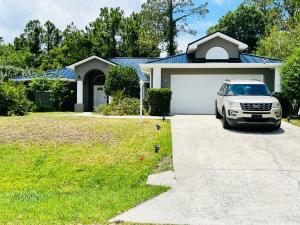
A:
x: 246, y: 103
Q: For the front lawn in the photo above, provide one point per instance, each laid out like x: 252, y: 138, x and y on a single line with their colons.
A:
x: 295, y: 122
x: 68, y: 170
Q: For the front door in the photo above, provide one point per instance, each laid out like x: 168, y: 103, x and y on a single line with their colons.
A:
x: 100, y: 97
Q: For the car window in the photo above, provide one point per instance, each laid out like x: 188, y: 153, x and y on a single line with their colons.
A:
x: 248, y: 90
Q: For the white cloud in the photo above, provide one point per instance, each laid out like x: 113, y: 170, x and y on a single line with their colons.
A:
x: 221, y: 2
x: 14, y: 14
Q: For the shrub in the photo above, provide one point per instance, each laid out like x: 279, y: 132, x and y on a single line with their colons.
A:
x: 159, y: 101
x: 123, y: 79
x: 13, y: 100
x: 120, y: 106
x: 290, y: 76
x: 59, y: 93
x: 285, y: 104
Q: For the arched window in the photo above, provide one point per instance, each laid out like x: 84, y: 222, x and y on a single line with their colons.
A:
x: 217, y: 53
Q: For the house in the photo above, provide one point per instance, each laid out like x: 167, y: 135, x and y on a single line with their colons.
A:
x: 194, y: 76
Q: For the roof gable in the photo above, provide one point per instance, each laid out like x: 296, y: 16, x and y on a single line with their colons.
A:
x: 192, y: 47
x: 94, y: 57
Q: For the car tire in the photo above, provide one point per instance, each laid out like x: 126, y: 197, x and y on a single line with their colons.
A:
x: 277, y: 127
x: 224, y: 120
x: 218, y: 115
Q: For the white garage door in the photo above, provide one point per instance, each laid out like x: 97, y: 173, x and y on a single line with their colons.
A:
x: 196, y: 94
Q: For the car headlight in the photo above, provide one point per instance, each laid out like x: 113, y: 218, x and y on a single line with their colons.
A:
x: 275, y: 105
x: 235, y: 104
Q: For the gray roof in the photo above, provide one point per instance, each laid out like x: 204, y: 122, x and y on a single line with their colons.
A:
x: 134, y: 63
x: 245, y: 58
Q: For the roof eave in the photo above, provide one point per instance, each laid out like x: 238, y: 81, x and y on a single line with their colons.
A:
x: 148, y: 67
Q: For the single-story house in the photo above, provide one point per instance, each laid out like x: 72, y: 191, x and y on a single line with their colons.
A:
x: 194, y: 76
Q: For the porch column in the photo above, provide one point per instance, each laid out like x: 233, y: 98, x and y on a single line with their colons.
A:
x: 156, y: 77
x: 277, y: 80
x: 79, y: 92
x: 79, y: 107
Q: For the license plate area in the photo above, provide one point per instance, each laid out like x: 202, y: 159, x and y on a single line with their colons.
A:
x: 256, y: 117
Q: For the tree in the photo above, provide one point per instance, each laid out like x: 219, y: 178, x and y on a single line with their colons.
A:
x: 33, y: 35
x: 104, y: 32
x: 1, y: 40
x: 290, y: 76
x: 76, y: 45
x: 246, y: 24
x: 279, y: 44
x: 170, y: 16
x: 123, y: 79
x: 52, y: 36
x: 138, y: 40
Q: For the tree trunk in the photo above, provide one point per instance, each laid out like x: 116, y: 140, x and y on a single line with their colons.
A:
x: 171, y: 29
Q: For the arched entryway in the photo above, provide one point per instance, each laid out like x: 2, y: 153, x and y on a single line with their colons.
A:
x: 93, y: 91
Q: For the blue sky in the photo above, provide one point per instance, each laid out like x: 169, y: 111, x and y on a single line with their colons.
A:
x: 14, y: 14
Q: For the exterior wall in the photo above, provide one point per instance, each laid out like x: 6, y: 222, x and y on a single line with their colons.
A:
x: 231, y: 49
x: 166, y: 74
x: 81, y: 71
x: 94, y: 64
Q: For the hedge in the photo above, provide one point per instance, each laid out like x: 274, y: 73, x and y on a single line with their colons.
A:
x: 159, y: 101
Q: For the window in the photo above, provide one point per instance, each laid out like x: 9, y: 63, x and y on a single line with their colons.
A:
x: 217, y: 53
x: 248, y: 90
x: 100, y: 80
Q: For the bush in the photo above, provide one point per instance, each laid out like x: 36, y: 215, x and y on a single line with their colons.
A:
x: 290, y: 77
x: 59, y: 93
x: 159, y: 101
x: 123, y: 79
x: 285, y: 104
x: 13, y: 100
x: 120, y: 106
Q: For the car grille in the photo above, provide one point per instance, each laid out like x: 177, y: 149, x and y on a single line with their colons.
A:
x: 256, y: 106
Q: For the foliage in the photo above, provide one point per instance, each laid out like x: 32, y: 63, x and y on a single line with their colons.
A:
x: 8, y: 72
x: 65, y: 170
x: 290, y: 77
x: 52, y: 36
x: 58, y: 91
x: 278, y: 43
x: 40, y: 84
x: 120, y: 107
x: 245, y: 24
x: 137, y: 38
x: 170, y: 18
x: 159, y: 101
x: 285, y: 103
x: 104, y: 31
x: 122, y: 79
x: 13, y: 100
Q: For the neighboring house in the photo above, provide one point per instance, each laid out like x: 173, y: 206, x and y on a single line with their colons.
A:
x: 194, y: 77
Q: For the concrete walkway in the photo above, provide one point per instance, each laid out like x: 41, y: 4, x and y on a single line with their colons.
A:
x: 228, y: 177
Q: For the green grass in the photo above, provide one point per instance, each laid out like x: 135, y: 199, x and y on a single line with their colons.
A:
x: 295, y: 122
x: 69, y: 170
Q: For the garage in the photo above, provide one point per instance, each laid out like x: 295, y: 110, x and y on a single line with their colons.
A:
x: 196, y: 94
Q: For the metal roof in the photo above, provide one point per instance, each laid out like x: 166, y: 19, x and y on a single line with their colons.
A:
x: 134, y: 63
x: 245, y: 58
x: 64, y: 74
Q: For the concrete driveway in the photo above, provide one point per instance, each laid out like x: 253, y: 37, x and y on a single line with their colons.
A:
x: 226, y: 177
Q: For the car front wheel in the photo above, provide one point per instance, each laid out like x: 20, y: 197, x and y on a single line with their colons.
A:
x: 224, y: 120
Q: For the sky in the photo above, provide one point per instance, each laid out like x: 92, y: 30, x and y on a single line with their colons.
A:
x: 14, y: 14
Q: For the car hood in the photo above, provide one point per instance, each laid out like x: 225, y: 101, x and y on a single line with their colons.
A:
x: 252, y: 99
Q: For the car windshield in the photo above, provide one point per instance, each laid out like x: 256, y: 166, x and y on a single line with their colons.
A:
x: 248, y: 89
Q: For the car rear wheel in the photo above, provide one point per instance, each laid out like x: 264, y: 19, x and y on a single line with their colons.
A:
x: 218, y: 115
x: 224, y: 120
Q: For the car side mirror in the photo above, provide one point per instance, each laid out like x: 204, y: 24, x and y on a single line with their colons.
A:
x: 220, y: 93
